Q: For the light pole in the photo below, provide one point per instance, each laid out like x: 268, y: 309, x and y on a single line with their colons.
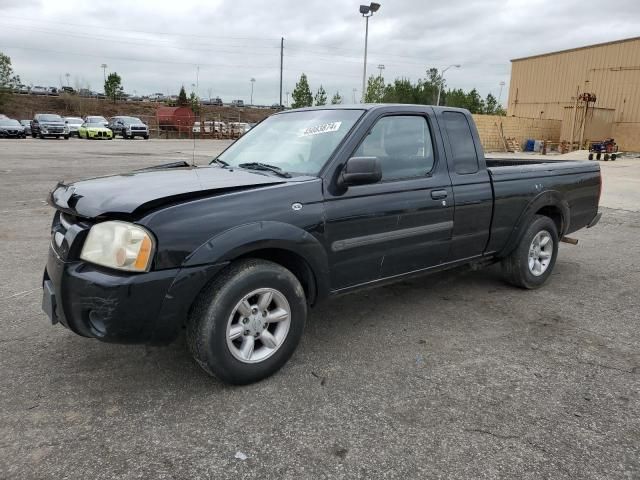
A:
x: 442, y: 81
x: 380, y: 68
x: 287, y: 98
x: 253, y: 80
x: 67, y: 75
x: 500, y: 94
x: 104, y: 71
x: 366, y: 11
x: 354, y: 94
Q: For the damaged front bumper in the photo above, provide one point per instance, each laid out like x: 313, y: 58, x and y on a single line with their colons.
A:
x: 121, y: 307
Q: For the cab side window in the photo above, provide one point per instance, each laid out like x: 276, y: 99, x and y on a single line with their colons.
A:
x: 403, y: 145
x: 465, y: 158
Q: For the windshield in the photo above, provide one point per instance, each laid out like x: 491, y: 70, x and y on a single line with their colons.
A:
x: 73, y: 120
x: 130, y: 119
x: 49, y: 118
x: 299, y: 142
x: 96, y: 119
x: 94, y: 124
x: 7, y: 122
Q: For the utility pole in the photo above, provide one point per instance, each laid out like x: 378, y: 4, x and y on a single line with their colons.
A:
x: 67, y: 75
x: 281, y: 66
x: 104, y: 71
x: 380, y: 68
x: 288, y: 99
x: 354, y: 94
x: 502, y: 84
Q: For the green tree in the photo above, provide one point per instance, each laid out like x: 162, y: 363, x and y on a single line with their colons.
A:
x: 183, y: 101
x: 475, y: 104
x: 113, y: 86
x: 375, y: 90
x: 301, y: 95
x: 321, y: 97
x: 8, y: 80
x: 336, y: 99
x: 194, y: 103
x: 490, y: 105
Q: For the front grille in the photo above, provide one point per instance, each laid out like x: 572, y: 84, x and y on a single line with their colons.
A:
x: 139, y: 128
x: 67, y: 233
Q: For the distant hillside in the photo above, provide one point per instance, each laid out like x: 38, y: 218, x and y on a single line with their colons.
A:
x: 26, y: 106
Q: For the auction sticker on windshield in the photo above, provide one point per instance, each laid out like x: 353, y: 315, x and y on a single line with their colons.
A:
x: 318, y: 129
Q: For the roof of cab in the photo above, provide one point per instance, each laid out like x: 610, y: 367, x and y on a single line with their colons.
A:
x: 375, y: 106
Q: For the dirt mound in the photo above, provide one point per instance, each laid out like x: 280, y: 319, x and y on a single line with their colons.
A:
x: 24, y: 107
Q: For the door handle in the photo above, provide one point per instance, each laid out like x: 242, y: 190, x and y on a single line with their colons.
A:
x: 438, y: 194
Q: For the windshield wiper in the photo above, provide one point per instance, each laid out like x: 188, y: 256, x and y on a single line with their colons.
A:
x: 220, y: 162
x: 265, y: 166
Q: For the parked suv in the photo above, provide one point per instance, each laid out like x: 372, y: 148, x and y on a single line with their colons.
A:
x: 129, y: 127
x: 10, y: 128
x: 237, y: 103
x: 49, y: 125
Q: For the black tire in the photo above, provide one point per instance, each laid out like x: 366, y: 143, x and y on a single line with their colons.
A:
x: 591, y: 156
x: 613, y: 156
x: 146, y: 137
x: 124, y: 134
x: 66, y: 137
x: 606, y: 157
x: 515, y: 267
x: 598, y: 155
x: 207, y: 327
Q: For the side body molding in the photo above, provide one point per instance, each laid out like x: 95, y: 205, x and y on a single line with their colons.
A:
x: 250, y: 237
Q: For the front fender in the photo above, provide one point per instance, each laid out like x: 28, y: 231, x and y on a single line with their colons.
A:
x: 550, y: 198
x: 244, y: 239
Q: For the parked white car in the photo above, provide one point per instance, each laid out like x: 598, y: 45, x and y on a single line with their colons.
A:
x: 38, y: 90
x: 74, y: 124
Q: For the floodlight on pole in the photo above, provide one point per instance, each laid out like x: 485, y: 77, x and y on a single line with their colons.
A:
x: 253, y: 80
x: 380, y: 68
x: 502, y: 84
x: 104, y: 71
x: 366, y: 11
x: 442, y: 80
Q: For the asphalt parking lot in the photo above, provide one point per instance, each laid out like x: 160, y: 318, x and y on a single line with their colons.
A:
x: 455, y: 375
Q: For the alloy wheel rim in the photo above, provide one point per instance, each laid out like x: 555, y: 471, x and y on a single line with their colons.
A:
x: 540, y: 253
x: 258, y: 325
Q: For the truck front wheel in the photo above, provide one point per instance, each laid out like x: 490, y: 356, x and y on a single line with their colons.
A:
x: 531, y: 263
x: 247, y: 322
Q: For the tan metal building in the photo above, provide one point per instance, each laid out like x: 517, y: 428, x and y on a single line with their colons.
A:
x: 547, y: 86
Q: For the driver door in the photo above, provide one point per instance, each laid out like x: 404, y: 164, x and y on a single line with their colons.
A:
x: 402, y: 223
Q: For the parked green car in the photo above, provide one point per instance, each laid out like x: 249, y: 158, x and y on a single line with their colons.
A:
x: 95, y: 130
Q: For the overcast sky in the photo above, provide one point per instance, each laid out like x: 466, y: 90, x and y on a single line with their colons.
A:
x: 156, y: 46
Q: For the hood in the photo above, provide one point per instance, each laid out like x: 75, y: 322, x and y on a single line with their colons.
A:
x: 143, y: 190
x: 12, y: 127
x: 51, y: 123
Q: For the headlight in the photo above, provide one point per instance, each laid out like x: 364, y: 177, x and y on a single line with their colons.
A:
x: 66, y: 129
x: 120, y: 245
x: 44, y: 129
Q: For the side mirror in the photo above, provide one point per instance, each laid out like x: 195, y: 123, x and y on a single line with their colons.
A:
x: 360, y: 171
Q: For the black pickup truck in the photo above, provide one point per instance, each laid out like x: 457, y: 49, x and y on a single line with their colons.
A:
x: 308, y: 204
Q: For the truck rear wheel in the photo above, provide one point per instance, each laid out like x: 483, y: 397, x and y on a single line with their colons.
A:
x: 531, y: 263
x: 247, y: 322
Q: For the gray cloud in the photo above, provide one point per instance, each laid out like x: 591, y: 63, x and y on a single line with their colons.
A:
x: 157, y: 46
